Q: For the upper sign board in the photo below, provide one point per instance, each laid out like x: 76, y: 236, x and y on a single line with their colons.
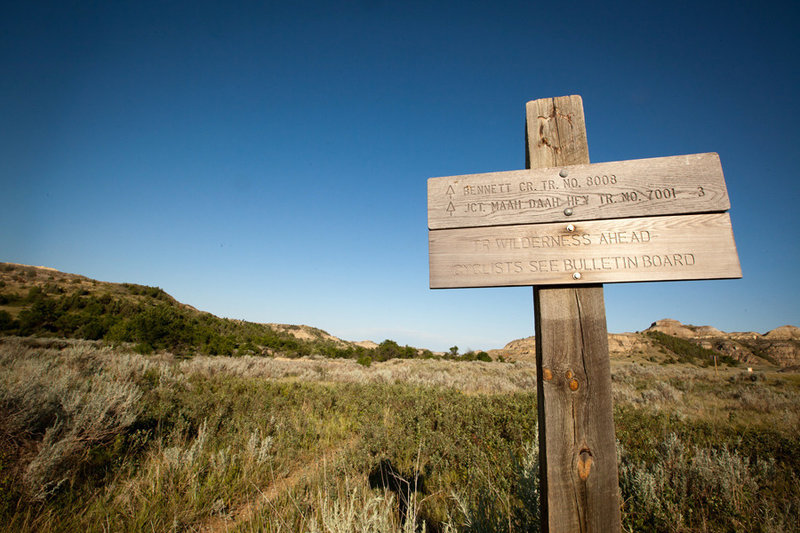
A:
x: 642, y: 187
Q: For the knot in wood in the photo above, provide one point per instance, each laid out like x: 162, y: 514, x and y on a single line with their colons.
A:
x: 547, y: 374
x: 584, y: 463
x: 573, y: 385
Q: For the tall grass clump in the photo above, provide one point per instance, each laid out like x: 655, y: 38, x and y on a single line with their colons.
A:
x: 61, y: 410
x: 700, y: 489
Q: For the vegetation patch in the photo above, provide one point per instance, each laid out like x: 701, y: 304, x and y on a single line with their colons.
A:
x: 689, y: 352
x: 152, y: 320
x: 96, y: 438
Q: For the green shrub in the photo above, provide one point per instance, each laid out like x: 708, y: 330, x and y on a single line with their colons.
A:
x: 6, y: 321
x: 689, y: 352
x: 143, y: 348
x: 691, y: 486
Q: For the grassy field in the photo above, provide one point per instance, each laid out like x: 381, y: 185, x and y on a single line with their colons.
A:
x: 95, y: 438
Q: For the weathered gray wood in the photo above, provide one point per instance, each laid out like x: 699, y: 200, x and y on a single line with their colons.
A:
x: 578, y: 468
x: 576, y: 427
x: 641, y: 187
x: 680, y: 247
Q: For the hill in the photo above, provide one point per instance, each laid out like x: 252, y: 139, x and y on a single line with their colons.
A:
x: 669, y: 341
x: 44, y: 302
x: 95, y: 437
x: 41, y: 301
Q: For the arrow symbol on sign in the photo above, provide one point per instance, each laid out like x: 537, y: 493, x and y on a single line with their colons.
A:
x: 451, y: 208
x: 450, y: 191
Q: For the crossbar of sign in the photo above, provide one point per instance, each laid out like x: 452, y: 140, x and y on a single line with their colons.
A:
x: 643, y: 187
x: 583, y: 224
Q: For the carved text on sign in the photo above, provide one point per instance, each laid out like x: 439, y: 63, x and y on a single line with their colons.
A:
x: 642, y: 187
x: 599, y: 251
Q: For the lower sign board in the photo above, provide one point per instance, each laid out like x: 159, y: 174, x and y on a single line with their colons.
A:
x: 681, y: 247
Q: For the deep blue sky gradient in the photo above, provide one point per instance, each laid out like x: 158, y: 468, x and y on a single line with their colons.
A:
x: 268, y: 161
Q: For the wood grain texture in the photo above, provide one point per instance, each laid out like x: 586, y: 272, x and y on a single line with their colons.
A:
x: 641, y: 187
x: 578, y: 468
x: 680, y: 247
x: 579, y: 474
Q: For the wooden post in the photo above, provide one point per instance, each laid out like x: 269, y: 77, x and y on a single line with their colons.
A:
x: 578, y: 461
x: 565, y: 228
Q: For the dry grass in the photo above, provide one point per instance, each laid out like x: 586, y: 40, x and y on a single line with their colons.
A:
x: 105, y: 439
x: 73, y: 404
x: 473, y: 377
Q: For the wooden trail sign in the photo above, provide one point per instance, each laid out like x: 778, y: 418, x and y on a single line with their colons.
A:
x: 491, y: 230
x: 566, y: 222
x: 642, y: 187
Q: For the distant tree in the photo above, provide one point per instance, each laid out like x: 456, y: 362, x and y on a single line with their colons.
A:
x: 35, y: 294
x: 454, y: 351
x: 483, y: 356
x: 6, y: 322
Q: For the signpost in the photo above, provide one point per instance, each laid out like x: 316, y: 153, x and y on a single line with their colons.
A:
x: 565, y: 226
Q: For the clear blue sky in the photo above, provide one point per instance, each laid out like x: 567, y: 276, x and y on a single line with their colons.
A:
x: 268, y: 161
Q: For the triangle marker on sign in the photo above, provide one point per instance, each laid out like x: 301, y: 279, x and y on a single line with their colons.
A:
x: 450, y: 191
x: 451, y: 208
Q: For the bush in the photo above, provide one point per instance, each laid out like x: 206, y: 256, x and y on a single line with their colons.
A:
x: 691, y: 486
x: 6, y: 321
x: 689, y: 352
x: 69, y: 411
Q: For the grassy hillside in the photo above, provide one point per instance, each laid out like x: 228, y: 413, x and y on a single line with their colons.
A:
x: 122, y: 409
x: 36, y: 301
x: 94, y: 438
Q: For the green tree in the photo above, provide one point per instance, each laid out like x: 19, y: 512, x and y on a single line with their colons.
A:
x: 6, y: 321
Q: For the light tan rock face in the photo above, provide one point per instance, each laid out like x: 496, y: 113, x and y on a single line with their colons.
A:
x: 784, y: 353
x: 367, y: 344
x: 517, y: 350
x: 672, y: 327
x: 732, y: 348
x: 620, y: 344
x: 784, y: 333
x: 708, y: 331
x: 779, y: 347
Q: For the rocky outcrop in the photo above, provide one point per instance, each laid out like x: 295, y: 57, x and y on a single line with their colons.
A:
x: 671, y: 327
x: 619, y: 345
x: 779, y: 347
x: 783, y: 333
